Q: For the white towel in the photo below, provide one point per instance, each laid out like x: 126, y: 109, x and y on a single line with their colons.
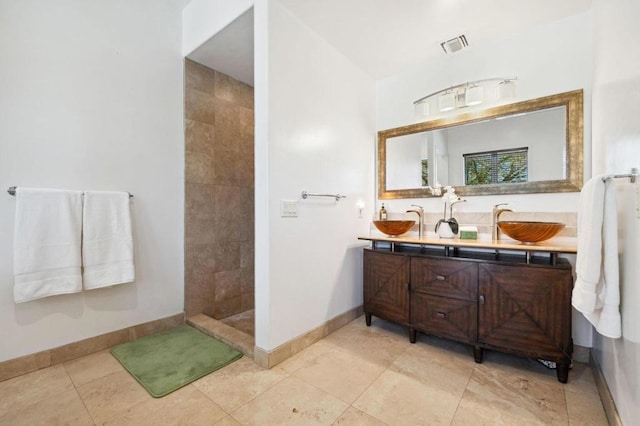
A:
x: 46, y: 244
x: 107, y: 241
x: 597, y: 289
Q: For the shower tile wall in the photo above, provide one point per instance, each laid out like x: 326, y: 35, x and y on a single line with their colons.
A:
x: 219, y: 193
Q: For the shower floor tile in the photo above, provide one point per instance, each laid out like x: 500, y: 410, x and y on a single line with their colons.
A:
x: 244, y: 321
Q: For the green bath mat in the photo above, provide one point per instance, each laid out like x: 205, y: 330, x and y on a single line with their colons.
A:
x: 166, y: 361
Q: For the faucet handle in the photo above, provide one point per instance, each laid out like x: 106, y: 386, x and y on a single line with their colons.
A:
x: 500, y: 204
x: 415, y: 205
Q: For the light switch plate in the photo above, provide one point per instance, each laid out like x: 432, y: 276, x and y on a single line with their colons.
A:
x: 288, y: 208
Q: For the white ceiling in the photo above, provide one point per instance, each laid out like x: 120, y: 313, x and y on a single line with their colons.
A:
x: 230, y: 51
x: 387, y: 37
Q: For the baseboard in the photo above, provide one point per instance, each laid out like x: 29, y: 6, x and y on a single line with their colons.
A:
x: 268, y: 359
x: 28, y: 363
x: 608, y: 403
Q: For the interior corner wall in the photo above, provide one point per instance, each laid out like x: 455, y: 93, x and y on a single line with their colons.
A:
x: 616, y: 148
x: 321, y: 138
x: 92, y: 99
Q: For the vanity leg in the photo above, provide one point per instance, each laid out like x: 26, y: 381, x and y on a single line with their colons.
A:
x: 477, y: 354
x: 413, y: 334
x: 562, y: 370
x: 367, y: 318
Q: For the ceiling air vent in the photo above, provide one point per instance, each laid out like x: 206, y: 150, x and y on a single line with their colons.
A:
x: 455, y: 44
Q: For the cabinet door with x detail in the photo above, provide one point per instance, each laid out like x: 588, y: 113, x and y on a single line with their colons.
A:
x: 525, y: 309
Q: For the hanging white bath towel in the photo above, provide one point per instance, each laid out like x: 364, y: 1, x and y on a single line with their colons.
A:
x: 597, y: 288
x: 107, y: 240
x: 46, y: 244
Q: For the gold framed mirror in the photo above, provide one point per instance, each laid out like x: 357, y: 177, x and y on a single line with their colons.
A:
x: 532, y: 146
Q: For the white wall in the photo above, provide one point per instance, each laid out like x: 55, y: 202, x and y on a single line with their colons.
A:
x: 321, y: 138
x: 92, y: 99
x: 551, y: 59
x: 616, y: 148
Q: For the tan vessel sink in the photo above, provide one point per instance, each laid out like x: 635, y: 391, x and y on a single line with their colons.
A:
x: 530, y: 232
x: 394, y: 228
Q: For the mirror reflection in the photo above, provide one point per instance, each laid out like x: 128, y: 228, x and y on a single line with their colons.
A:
x: 532, y: 146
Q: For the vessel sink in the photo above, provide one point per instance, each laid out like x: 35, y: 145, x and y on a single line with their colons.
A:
x: 530, y: 232
x: 394, y: 228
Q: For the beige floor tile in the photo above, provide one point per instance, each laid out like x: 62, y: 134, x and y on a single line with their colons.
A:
x: 186, y: 406
x: 498, y: 395
x: 64, y: 408
x: 340, y: 374
x: 581, y: 380
x: 291, y: 402
x: 91, y: 367
x: 399, y: 400
x: 306, y: 356
x: 227, y: 421
x: 519, y: 365
x: 112, y: 395
x: 31, y: 388
x: 355, y: 417
x: 380, y: 344
x: 585, y: 410
x: 238, y: 383
x: 438, y: 364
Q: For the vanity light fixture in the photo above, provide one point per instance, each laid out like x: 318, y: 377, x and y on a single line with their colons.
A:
x: 488, y: 90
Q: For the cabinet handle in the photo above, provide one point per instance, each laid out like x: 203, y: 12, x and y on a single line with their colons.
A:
x: 441, y: 278
x: 441, y: 315
x: 481, y: 299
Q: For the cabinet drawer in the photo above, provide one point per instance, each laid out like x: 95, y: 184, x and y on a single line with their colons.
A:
x: 441, y: 316
x: 444, y: 277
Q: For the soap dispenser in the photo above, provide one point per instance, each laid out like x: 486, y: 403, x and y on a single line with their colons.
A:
x: 383, y: 213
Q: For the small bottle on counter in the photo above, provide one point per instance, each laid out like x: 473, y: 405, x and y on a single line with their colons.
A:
x: 383, y: 213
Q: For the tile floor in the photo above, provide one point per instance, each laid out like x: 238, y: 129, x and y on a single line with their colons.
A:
x: 358, y: 375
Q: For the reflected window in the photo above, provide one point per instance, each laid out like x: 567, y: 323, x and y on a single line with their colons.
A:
x: 496, y: 167
x: 425, y: 172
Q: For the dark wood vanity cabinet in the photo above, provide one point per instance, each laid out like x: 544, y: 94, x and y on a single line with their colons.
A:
x: 516, y: 307
x: 386, y: 286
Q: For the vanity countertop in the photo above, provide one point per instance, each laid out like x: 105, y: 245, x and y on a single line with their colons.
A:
x: 549, y: 246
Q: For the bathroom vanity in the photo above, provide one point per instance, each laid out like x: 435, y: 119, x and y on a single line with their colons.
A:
x: 507, y: 297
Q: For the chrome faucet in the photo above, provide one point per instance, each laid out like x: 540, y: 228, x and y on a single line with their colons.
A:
x: 497, y: 211
x: 420, y: 212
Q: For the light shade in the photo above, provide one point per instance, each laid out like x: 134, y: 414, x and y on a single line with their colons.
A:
x: 474, y: 95
x: 421, y: 109
x: 447, y: 101
x: 506, y: 89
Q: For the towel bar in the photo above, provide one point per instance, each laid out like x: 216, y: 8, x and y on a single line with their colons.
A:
x: 306, y: 194
x: 632, y: 176
x: 12, y: 191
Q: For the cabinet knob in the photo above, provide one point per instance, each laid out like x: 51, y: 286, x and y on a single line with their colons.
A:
x: 481, y: 299
x: 441, y: 278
